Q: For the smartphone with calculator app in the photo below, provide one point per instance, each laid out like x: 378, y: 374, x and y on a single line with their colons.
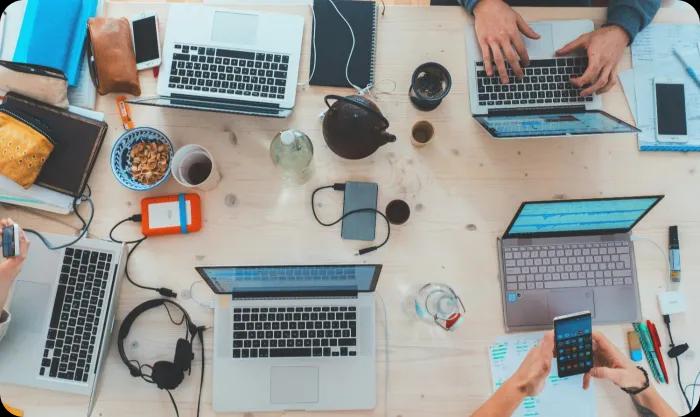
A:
x: 573, y: 343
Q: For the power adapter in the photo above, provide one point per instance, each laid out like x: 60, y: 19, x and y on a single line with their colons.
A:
x: 671, y: 302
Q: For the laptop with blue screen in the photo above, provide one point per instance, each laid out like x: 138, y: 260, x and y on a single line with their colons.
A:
x: 293, y: 337
x: 560, y: 257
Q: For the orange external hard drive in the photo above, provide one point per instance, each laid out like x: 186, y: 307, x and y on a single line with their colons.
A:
x: 175, y: 214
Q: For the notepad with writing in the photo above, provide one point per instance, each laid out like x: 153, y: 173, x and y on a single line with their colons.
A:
x: 77, y: 140
x: 333, y: 43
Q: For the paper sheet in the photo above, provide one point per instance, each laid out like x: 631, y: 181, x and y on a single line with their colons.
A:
x: 560, y: 397
x: 652, y: 56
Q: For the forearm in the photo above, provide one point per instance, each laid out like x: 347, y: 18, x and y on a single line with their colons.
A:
x: 503, y: 403
x: 632, y: 15
x: 650, y: 404
x: 5, y: 286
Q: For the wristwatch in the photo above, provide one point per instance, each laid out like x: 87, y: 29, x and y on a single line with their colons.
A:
x: 635, y: 391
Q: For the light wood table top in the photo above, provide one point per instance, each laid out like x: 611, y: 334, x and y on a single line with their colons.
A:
x: 463, y: 190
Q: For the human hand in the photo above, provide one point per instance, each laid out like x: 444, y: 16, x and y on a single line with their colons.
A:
x: 604, y: 48
x: 611, y: 364
x: 498, y: 29
x: 533, y: 372
x: 10, y: 267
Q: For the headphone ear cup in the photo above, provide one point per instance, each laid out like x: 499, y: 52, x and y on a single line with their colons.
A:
x: 167, y: 375
x: 183, y: 355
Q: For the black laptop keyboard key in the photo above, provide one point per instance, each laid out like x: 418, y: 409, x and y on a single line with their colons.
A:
x: 75, y: 316
x: 294, y: 328
x: 290, y: 352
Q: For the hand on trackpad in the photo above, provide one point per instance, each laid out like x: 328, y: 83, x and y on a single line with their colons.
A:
x: 293, y: 384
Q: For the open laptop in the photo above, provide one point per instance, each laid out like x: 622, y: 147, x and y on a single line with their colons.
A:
x: 560, y: 257
x: 294, y: 337
x: 62, y: 309
x: 543, y: 103
x: 222, y: 60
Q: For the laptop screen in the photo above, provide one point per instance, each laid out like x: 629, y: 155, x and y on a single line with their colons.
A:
x: 584, y: 216
x: 520, y: 125
x: 265, y: 280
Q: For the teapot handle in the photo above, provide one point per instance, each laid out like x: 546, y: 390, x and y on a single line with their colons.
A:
x: 355, y: 103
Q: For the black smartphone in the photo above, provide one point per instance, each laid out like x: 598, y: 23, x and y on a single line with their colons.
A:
x: 10, y: 241
x: 360, y: 226
x: 574, y: 343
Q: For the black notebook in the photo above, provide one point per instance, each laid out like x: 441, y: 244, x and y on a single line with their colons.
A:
x: 334, y: 41
x: 77, y: 141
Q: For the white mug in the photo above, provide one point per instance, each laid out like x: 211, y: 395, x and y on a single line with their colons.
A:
x: 194, y: 167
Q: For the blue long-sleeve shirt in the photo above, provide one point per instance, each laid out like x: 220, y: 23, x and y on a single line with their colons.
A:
x: 630, y: 15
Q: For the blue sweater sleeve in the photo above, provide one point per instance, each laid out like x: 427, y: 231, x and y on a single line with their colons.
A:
x: 632, y: 15
x: 469, y: 4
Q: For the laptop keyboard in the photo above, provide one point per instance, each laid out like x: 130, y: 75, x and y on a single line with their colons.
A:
x: 227, y: 71
x: 76, y: 314
x: 566, y: 266
x: 277, y: 332
x: 546, y: 81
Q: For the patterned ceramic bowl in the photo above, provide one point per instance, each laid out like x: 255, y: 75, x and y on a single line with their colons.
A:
x: 120, y: 160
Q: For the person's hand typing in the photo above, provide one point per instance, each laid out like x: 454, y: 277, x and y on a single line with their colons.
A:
x: 533, y: 372
x: 611, y: 364
x: 10, y: 267
x: 604, y: 48
x: 498, y: 29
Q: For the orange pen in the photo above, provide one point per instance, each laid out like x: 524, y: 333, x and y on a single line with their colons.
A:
x: 125, y: 113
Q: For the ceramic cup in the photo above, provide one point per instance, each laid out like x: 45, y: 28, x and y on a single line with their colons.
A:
x: 194, y: 167
x: 422, y: 134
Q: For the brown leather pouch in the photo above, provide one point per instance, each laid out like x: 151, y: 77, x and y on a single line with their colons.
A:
x: 112, y: 61
x: 24, y: 148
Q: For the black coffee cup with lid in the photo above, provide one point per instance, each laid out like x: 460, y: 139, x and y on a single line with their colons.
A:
x: 430, y: 84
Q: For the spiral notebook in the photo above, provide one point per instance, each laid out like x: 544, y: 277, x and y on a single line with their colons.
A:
x: 334, y: 42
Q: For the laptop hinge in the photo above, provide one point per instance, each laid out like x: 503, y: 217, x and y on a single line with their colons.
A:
x: 537, y: 110
x: 293, y: 294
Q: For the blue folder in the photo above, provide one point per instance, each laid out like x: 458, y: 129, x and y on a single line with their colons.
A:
x: 53, y: 34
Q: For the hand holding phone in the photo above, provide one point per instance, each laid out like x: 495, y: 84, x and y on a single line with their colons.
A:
x: 10, y: 241
x: 574, y: 343
x: 144, y: 31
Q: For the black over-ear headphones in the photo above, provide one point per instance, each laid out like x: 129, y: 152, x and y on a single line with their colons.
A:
x: 166, y: 375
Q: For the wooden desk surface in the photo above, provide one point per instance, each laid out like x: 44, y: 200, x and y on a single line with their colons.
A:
x: 463, y: 190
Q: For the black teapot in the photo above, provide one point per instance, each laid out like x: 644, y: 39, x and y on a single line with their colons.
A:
x: 354, y: 127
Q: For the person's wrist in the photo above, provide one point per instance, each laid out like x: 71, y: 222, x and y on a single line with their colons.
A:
x: 637, y: 381
x: 618, y: 32
x: 517, y: 387
x: 484, y: 3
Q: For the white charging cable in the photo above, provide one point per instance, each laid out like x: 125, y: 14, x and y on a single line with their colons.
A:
x: 386, y: 353
x: 360, y: 91
x: 189, y: 295
x: 667, y: 261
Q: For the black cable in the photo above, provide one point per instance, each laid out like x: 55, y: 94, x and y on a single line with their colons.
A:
x: 200, y: 332
x: 341, y: 187
x: 83, y: 229
x: 172, y: 400
x: 165, y: 292
x: 667, y: 320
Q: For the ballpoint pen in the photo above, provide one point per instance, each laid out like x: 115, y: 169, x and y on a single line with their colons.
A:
x: 689, y: 69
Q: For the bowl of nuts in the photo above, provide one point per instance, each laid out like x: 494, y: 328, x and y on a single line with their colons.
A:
x: 141, y: 158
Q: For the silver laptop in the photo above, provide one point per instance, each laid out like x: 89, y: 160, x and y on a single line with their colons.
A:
x: 560, y: 257
x: 294, y: 337
x: 62, y: 308
x: 218, y: 59
x: 543, y: 103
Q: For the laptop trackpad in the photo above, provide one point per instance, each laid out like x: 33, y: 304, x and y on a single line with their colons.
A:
x: 542, y: 47
x: 293, y: 384
x: 563, y: 302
